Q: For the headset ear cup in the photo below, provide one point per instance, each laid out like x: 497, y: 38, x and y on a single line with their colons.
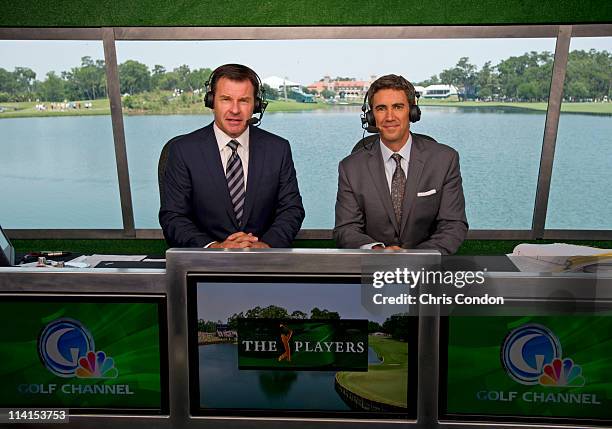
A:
x: 209, y: 100
x: 260, y: 98
x: 257, y: 105
x: 415, y: 113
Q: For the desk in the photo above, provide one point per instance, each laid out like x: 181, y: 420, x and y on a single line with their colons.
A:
x: 324, y: 267
x: 108, y: 261
x: 499, y: 263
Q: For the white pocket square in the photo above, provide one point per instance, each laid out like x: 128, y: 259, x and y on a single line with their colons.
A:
x: 426, y: 194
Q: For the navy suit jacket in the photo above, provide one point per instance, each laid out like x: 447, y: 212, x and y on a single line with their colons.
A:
x: 196, y: 208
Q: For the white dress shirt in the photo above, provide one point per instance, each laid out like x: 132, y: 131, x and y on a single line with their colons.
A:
x: 242, y: 149
x: 225, y: 152
x: 390, y: 166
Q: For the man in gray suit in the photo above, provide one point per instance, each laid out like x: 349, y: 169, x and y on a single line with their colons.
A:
x: 404, y: 190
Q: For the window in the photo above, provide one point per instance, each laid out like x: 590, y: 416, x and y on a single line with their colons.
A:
x: 492, y: 110
x: 57, y: 168
x: 580, y: 196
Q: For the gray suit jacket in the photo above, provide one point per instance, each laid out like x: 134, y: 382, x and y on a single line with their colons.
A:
x: 364, y: 211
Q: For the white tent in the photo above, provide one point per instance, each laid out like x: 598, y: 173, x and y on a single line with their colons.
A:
x: 440, y: 91
x: 277, y: 83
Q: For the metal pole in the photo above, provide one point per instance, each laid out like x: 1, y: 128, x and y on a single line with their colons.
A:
x: 114, y: 97
x: 550, y: 131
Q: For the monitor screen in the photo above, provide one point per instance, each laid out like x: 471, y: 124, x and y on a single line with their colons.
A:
x: 88, y: 353
x: 527, y: 367
x: 302, y: 346
x: 7, y: 252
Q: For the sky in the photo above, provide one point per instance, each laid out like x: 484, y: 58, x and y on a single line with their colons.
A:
x: 303, y: 61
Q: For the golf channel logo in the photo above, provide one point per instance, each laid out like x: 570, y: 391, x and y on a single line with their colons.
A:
x: 532, y: 355
x: 67, y: 349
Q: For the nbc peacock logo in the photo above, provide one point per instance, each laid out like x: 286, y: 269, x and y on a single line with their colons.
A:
x: 531, y: 355
x: 67, y: 349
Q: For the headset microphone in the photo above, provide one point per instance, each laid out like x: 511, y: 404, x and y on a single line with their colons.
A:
x: 262, y: 104
x: 372, y: 130
x: 255, y: 120
x: 368, y: 123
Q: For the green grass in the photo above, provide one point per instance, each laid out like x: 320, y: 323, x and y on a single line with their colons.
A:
x: 566, y: 107
x: 394, y: 352
x: 113, y: 13
x: 101, y: 107
x: 292, y: 105
x: 27, y: 109
x: 593, y: 108
x: 502, y: 247
x: 385, y: 382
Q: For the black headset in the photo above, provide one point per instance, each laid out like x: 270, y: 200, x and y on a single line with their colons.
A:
x: 260, y: 93
x: 368, y: 122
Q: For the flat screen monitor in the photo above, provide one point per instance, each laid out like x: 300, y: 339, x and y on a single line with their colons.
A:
x: 91, y: 354
x: 533, y: 368
x: 7, y: 251
x: 297, y: 346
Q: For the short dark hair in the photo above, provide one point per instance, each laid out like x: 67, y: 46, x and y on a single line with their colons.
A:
x: 392, y: 81
x: 235, y: 72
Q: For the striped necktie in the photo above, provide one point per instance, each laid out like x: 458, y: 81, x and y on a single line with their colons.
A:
x: 235, y: 181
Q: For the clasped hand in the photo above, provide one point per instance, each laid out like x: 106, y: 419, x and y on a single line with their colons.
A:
x: 240, y: 240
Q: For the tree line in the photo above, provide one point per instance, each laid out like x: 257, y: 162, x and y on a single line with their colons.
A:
x: 397, y: 325
x: 526, y: 77
x: 269, y: 312
x: 88, y: 81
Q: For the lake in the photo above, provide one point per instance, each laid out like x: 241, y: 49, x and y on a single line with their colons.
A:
x: 60, y: 172
x: 223, y: 385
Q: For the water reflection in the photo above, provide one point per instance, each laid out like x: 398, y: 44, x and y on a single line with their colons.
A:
x: 276, y: 384
x: 223, y: 385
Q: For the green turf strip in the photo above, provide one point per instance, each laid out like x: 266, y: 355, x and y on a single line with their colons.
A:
x: 90, y: 247
x: 158, y: 247
x: 90, y: 13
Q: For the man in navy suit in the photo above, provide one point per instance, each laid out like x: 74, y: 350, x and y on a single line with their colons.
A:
x: 231, y: 184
